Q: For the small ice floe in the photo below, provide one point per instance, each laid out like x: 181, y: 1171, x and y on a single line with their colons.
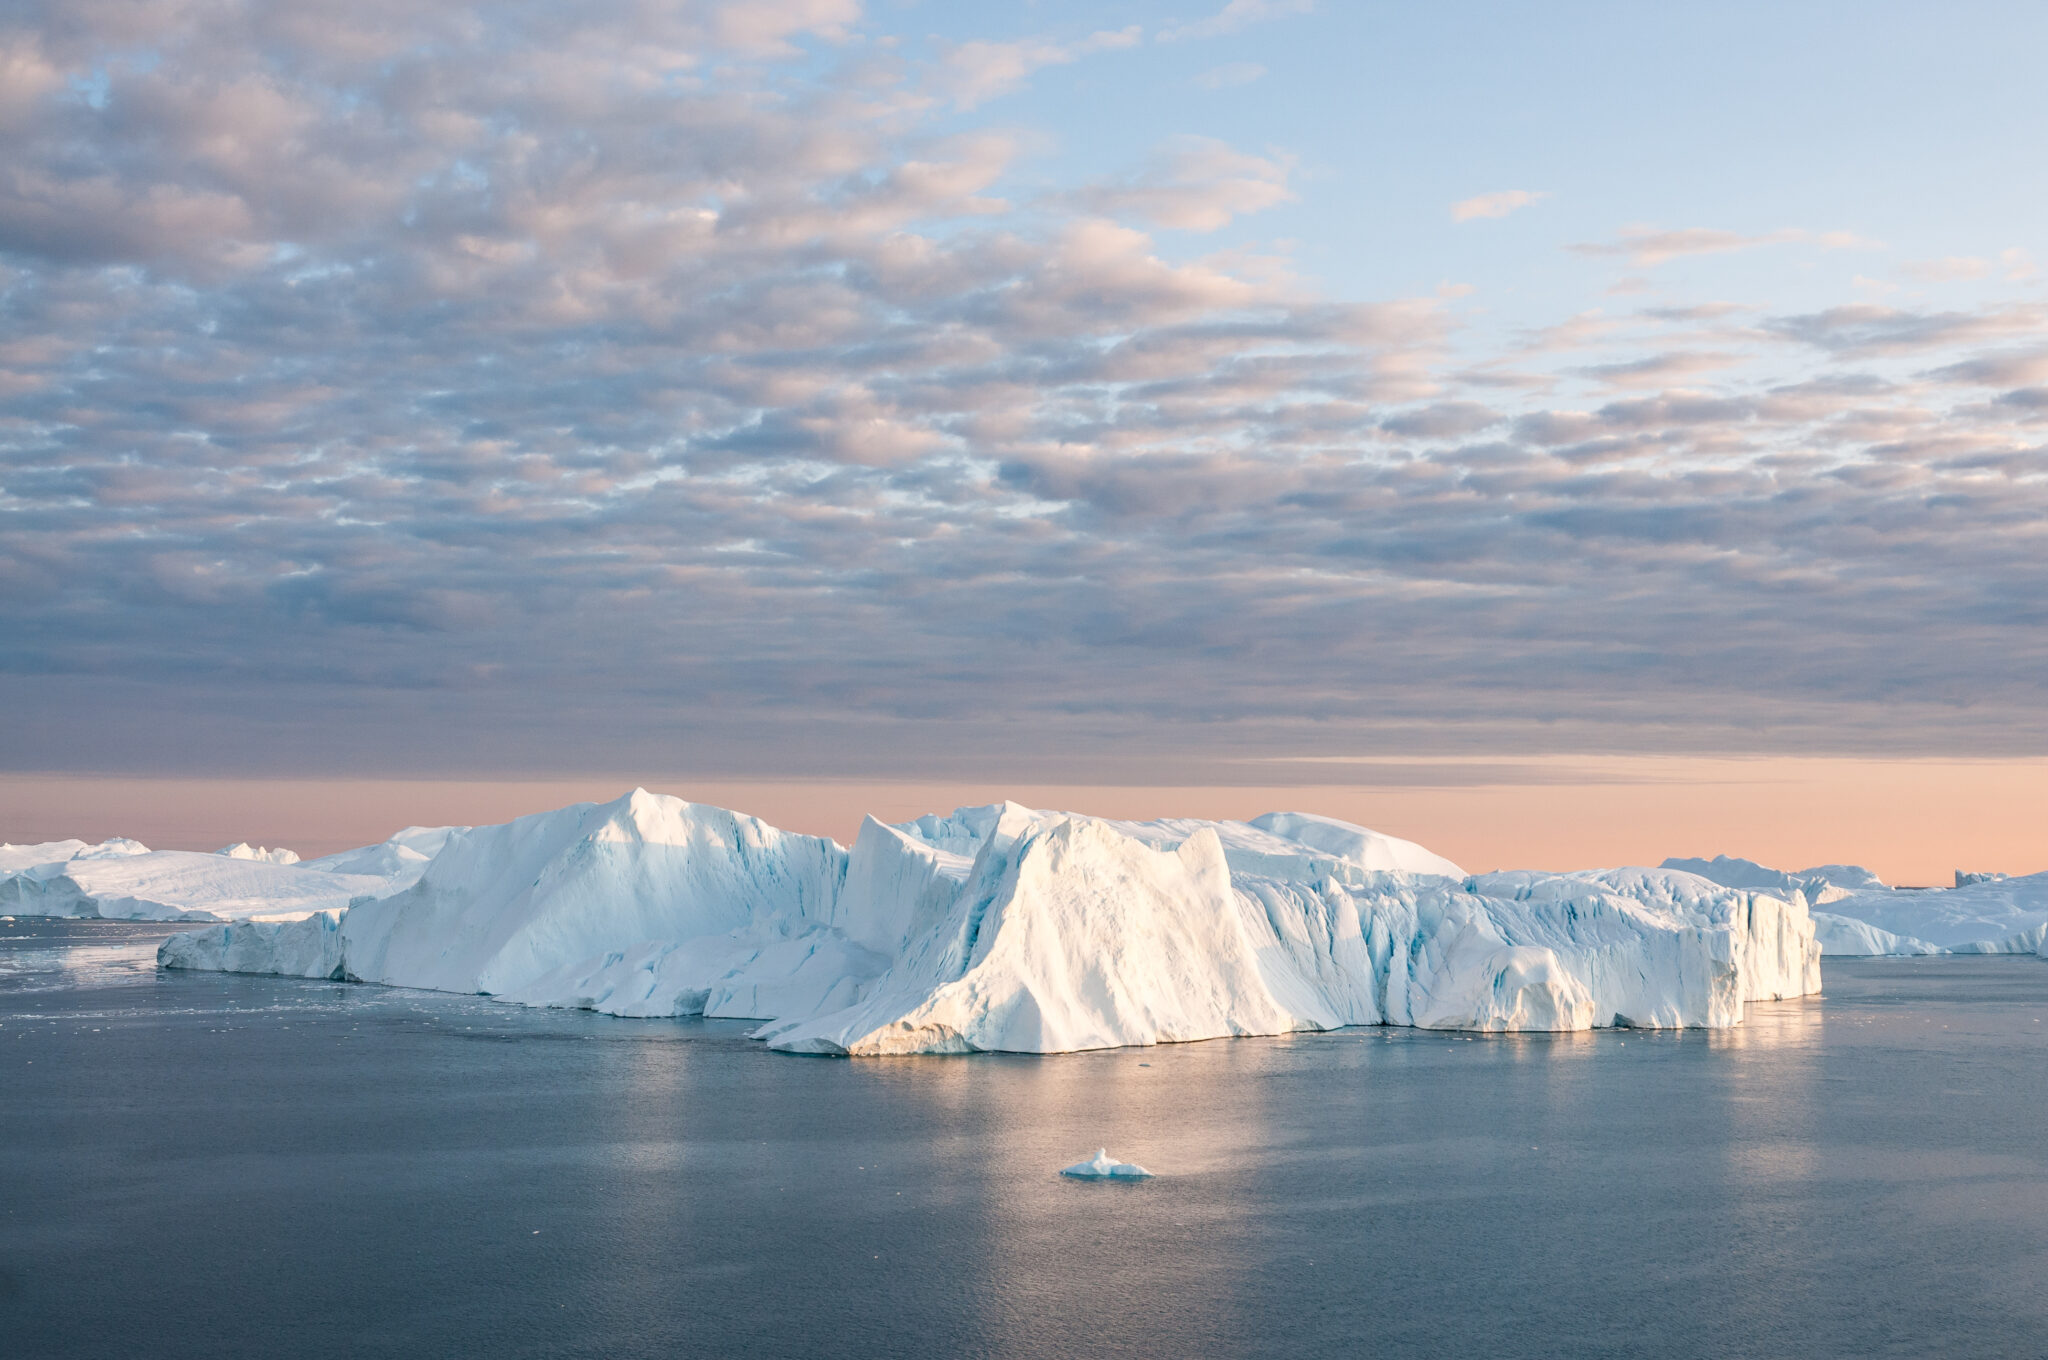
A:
x: 1102, y: 1166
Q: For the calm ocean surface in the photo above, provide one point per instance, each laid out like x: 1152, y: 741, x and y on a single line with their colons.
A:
x: 196, y: 1165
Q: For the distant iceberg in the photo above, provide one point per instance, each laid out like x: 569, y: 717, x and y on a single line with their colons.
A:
x: 1820, y: 885
x: 1984, y: 913
x: 244, y: 850
x: 1007, y: 928
x: 1102, y: 1166
x: 122, y: 879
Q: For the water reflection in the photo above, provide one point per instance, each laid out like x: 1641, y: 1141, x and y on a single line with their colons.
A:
x: 444, y: 1175
x: 39, y: 954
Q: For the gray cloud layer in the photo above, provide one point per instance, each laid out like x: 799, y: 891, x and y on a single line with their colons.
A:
x: 506, y: 388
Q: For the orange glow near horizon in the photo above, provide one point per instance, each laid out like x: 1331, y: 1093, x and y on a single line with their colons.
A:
x: 1913, y: 821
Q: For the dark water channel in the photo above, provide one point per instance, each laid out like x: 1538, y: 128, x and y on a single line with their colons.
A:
x: 195, y: 1165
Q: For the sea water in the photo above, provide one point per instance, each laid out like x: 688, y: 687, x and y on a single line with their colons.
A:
x: 208, y: 1165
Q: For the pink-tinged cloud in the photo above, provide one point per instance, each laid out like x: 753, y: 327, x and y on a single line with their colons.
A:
x: 973, y: 73
x: 1498, y: 204
x: 1193, y: 184
x: 1645, y: 247
x: 1236, y: 15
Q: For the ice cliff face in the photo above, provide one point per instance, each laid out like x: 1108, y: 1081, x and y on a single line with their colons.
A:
x: 1004, y: 928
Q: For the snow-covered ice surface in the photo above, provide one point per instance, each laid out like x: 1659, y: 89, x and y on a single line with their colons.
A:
x: 15, y: 859
x: 1009, y: 929
x: 125, y: 880
x: 399, y: 861
x: 1847, y: 937
x: 1820, y: 885
x: 2003, y: 915
x: 170, y: 885
x: 1102, y: 1167
x: 1856, y: 913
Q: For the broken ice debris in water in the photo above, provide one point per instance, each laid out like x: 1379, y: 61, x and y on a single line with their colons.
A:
x: 1103, y: 1166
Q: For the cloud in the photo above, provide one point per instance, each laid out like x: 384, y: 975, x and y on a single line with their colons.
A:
x: 1193, y: 184
x: 2014, y: 369
x: 1658, y: 370
x: 767, y: 27
x: 413, y: 388
x: 1444, y: 420
x: 1230, y: 75
x: 1645, y: 247
x: 1869, y: 329
x: 1947, y: 269
x: 1495, y: 204
x: 1236, y: 15
x: 972, y: 73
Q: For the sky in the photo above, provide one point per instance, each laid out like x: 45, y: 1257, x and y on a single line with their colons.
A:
x: 1255, y: 395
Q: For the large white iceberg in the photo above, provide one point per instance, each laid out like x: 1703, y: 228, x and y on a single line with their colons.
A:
x: 1005, y: 928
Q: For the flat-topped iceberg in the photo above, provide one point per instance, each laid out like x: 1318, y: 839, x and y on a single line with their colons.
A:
x: 1006, y: 928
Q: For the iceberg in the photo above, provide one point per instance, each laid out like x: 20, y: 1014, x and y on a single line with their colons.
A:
x: 1004, y: 928
x: 122, y: 879
x: 1820, y: 885
x: 244, y: 850
x: 1970, y: 918
x: 1984, y: 913
x: 20, y: 859
x: 399, y: 861
x: 1102, y: 1166
x: 1846, y: 936
x: 172, y: 885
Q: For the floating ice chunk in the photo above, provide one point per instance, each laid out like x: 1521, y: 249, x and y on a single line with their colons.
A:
x: 1102, y: 1166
